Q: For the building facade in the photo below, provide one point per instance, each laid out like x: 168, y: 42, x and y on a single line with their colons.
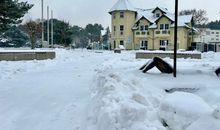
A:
x: 207, y: 35
x: 149, y: 29
x: 207, y: 40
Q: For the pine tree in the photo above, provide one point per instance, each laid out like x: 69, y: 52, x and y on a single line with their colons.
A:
x: 11, y: 12
x: 16, y: 36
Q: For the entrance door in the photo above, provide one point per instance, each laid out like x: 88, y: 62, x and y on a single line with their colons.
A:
x: 163, y: 45
x: 144, y: 45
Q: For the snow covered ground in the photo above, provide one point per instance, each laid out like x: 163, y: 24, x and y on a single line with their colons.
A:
x: 88, y: 90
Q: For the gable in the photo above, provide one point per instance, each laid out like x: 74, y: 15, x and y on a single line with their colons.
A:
x: 143, y: 19
x: 158, y: 9
x: 164, y: 18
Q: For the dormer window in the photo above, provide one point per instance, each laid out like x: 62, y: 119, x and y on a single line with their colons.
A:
x: 121, y: 14
x: 158, y: 15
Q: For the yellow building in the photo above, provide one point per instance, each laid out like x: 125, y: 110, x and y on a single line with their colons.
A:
x: 150, y: 29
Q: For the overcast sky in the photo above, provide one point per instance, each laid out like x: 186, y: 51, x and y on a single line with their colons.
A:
x: 82, y: 12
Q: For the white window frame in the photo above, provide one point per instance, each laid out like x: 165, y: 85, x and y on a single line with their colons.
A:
x: 164, y: 26
x: 164, y: 43
x: 144, y: 44
x: 122, y: 14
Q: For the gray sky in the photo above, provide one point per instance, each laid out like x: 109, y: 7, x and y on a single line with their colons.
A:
x: 82, y: 12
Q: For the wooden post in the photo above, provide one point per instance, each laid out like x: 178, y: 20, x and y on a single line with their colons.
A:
x: 175, y: 38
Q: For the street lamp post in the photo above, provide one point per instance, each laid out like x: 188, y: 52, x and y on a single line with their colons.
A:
x: 42, y: 22
x: 175, y: 37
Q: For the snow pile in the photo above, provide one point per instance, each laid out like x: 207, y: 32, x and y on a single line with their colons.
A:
x: 2, y: 40
x: 126, y: 99
x: 118, y: 104
x: 209, y: 122
x: 216, y: 113
x: 121, y: 47
x: 180, y: 109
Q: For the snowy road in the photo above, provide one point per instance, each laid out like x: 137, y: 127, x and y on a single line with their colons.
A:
x: 52, y: 97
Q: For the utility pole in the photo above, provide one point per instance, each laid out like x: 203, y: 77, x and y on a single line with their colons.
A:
x: 52, y: 28
x: 48, y: 27
x: 175, y: 37
x: 42, y: 22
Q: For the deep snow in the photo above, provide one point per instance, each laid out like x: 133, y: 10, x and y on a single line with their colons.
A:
x: 85, y: 90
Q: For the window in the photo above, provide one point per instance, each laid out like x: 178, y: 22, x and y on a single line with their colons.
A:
x: 144, y: 45
x: 217, y: 39
x: 146, y: 27
x: 207, y: 33
x: 217, y: 35
x: 163, y: 43
x: 114, y: 16
x: 217, y: 32
x: 213, y: 32
x: 114, y: 28
x: 161, y: 26
x: 158, y: 15
x: 142, y: 28
x: 121, y: 29
x: 121, y: 14
x: 164, y: 26
x: 122, y: 43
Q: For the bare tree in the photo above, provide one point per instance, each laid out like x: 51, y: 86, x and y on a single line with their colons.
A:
x: 199, y: 15
x: 33, y: 29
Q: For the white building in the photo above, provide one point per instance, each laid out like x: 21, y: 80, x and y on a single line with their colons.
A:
x: 208, y: 40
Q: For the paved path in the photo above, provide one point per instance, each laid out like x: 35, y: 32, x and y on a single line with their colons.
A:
x: 54, y: 97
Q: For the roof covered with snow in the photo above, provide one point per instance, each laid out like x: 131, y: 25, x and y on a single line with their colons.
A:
x: 122, y: 5
x: 165, y: 10
x: 149, y: 14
